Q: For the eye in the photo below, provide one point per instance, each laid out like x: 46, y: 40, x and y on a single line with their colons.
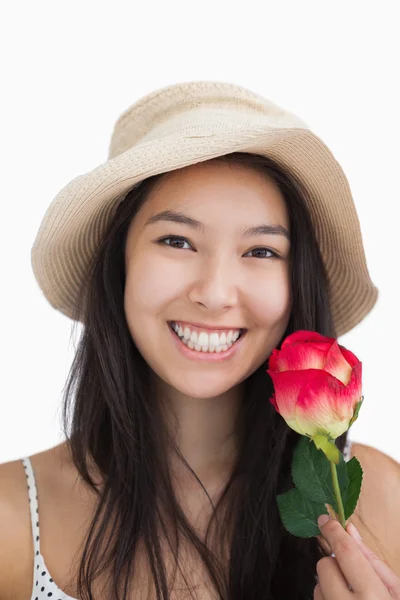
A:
x: 261, y: 253
x: 174, y: 241
x: 178, y: 242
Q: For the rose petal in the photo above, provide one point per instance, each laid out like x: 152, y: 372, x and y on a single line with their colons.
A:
x: 337, y: 365
x: 288, y: 386
x: 326, y: 404
x: 303, y: 336
x: 300, y: 358
x: 349, y: 356
x: 273, y: 360
x: 315, y: 409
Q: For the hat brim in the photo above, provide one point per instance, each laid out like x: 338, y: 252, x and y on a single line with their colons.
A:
x: 75, y: 221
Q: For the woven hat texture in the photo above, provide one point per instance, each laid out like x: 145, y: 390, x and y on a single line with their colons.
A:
x: 183, y: 124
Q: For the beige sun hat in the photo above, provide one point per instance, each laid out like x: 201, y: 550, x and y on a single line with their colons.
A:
x: 187, y: 123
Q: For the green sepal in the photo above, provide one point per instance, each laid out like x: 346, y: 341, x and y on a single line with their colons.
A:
x: 324, y: 443
x: 356, y: 411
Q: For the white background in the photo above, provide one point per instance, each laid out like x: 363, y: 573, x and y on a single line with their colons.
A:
x: 68, y: 70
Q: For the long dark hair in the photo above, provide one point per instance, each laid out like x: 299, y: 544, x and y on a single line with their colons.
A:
x: 111, y: 421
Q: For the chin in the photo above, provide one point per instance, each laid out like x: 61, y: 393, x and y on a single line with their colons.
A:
x: 201, y: 388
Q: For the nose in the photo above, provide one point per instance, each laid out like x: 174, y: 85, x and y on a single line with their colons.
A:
x: 214, y: 285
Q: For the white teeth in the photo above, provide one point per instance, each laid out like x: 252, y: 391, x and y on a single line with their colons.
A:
x: 214, y: 339
x: 203, y: 339
x: 204, y: 342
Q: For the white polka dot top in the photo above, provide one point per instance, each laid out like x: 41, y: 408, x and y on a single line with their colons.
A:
x: 43, y: 585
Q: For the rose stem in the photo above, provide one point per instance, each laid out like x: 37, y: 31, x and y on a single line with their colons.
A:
x: 338, y: 496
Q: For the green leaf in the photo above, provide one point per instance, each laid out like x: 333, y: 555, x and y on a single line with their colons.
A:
x: 299, y: 514
x: 352, y: 493
x: 311, y: 473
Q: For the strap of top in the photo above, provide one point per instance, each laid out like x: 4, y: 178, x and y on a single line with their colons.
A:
x: 33, y: 503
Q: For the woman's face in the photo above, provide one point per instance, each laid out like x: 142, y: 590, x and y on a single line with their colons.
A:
x: 208, y: 276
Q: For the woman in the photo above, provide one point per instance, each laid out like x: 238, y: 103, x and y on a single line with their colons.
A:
x: 219, y: 225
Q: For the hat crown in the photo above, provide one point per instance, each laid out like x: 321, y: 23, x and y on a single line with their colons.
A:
x: 198, y: 109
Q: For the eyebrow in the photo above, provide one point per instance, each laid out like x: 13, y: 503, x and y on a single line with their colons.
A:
x: 178, y: 217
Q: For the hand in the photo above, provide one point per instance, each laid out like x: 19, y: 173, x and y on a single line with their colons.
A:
x: 355, y: 571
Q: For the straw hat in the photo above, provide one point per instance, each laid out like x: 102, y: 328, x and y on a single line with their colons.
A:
x: 187, y: 123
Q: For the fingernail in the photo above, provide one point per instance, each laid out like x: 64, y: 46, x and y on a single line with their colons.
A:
x: 354, y: 532
x: 322, y: 519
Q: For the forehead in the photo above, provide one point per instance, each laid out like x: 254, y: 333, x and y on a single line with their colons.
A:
x: 218, y: 187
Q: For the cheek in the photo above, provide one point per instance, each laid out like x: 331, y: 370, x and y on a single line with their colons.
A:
x: 152, y: 283
x: 270, y: 300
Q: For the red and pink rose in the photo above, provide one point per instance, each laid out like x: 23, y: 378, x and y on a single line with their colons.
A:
x: 317, y: 384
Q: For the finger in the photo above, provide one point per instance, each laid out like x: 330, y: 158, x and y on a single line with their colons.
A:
x: 354, y: 565
x: 389, y: 578
x: 324, y: 544
x: 332, y: 581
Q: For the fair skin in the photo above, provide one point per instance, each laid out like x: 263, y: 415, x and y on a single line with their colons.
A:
x: 355, y: 570
x: 215, y: 277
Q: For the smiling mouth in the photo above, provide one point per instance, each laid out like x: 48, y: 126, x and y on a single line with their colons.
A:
x: 207, y: 343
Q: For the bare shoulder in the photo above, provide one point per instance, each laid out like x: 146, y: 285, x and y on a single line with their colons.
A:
x: 16, y: 543
x: 377, y: 515
x: 363, y: 450
x: 381, y: 474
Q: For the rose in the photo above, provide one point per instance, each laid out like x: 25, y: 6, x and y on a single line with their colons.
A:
x: 317, y: 391
x: 317, y: 384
